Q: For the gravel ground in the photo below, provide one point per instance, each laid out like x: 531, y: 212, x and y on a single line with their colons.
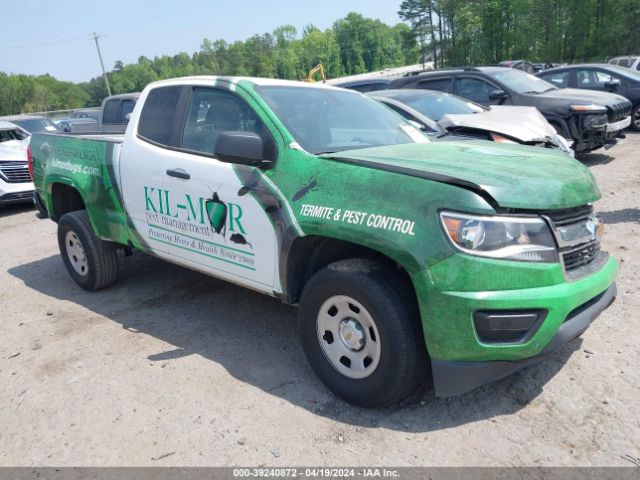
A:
x: 168, y: 361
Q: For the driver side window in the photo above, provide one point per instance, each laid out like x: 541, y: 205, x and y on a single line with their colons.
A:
x: 212, y: 112
x: 475, y: 89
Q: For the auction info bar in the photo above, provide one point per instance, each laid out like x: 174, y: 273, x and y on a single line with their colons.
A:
x: 402, y: 473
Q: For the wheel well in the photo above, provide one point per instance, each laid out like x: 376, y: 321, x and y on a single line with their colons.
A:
x: 309, y: 254
x: 64, y: 199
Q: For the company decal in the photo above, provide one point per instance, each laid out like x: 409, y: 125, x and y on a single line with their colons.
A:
x: 305, y: 189
x: 203, y: 226
x: 74, y: 167
x: 355, y: 217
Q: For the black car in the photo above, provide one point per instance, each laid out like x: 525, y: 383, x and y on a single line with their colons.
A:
x: 602, y: 77
x: 591, y: 119
x: 364, y: 85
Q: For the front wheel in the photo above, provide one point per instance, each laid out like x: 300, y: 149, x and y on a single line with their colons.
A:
x: 635, y: 118
x: 91, y: 262
x: 360, y: 331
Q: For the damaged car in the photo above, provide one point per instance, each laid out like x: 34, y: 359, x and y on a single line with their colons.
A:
x: 446, y: 115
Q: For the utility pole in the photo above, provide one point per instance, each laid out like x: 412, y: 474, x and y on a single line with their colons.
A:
x: 104, y: 74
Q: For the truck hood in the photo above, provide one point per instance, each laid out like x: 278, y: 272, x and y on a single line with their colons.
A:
x: 525, y: 124
x: 511, y: 175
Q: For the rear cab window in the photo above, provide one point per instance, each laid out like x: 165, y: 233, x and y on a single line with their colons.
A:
x: 159, y: 115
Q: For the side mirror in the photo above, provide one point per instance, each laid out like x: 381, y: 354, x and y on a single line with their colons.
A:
x: 613, y: 84
x: 498, y: 95
x: 244, y: 148
x: 127, y: 117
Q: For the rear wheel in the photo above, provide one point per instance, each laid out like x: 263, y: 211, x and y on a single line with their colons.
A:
x: 91, y: 262
x: 361, y: 333
x: 635, y: 118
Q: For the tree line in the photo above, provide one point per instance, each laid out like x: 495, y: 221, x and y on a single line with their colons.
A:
x: 353, y: 44
x: 475, y: 32
x: 449, y: 32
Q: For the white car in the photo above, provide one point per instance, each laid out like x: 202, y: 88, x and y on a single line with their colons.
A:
x: 441, y: 114
x: 15, y: 181
x: 630, y: 61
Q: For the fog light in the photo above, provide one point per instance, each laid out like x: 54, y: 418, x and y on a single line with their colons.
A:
x: 507, y: 326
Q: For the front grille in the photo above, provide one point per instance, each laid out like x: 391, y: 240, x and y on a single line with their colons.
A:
x: 15, y: 172
x: 12, y: 197
x: 578, y: 255
x: 619, y: 111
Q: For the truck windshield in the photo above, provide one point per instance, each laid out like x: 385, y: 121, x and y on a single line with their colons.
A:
x: 324, y: 120
x: 521, y: 82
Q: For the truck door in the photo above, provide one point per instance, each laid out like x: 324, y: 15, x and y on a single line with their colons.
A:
x: 216, y: 226
x: 145, y: 153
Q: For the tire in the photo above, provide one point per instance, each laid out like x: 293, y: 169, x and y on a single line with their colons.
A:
x: 635, y: 118
x: 358, y: 292
x: 91, y: 262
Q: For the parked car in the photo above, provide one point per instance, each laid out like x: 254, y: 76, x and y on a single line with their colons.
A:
x: 112, y: 116
x: 523, y: 65
x: 15, y: 181
x: 363, y: 85
x: 603, y: 77
x: 591, y: 119
x: 439, y: 112
x: 88, y: 116
x: 377, y: 80
x: 484, y: 257
x: 32, y: 123
x: 629, y: 61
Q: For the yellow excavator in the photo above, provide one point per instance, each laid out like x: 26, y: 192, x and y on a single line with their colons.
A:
x: 313, y: 71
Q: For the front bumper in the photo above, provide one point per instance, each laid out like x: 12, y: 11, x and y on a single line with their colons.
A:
x: 16, y: 192
x: 452, y: 290
x: 455, y: 378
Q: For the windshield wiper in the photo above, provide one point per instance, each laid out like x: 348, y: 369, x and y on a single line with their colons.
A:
x: 531, y: 92
x: 327, y: 152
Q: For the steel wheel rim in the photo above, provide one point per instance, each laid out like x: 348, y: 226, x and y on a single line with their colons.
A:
x: 348, y: 337
x: 76, y: 254
x: 636, y: 118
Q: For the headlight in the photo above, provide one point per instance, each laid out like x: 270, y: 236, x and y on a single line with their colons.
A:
x: 588, y: 108
x: 509, y: 238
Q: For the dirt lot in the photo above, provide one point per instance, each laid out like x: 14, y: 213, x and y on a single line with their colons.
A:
x: 168, y: 361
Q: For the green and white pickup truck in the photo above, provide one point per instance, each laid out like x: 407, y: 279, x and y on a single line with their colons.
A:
x: 467, y: 259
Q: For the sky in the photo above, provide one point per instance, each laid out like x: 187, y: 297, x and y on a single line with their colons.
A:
x: 55, y: 37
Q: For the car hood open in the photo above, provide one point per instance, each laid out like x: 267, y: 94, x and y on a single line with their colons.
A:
x: 512, y: 175
x: 525, y: 124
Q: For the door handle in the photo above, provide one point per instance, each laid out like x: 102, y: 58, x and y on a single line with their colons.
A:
x: 178, y: 173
